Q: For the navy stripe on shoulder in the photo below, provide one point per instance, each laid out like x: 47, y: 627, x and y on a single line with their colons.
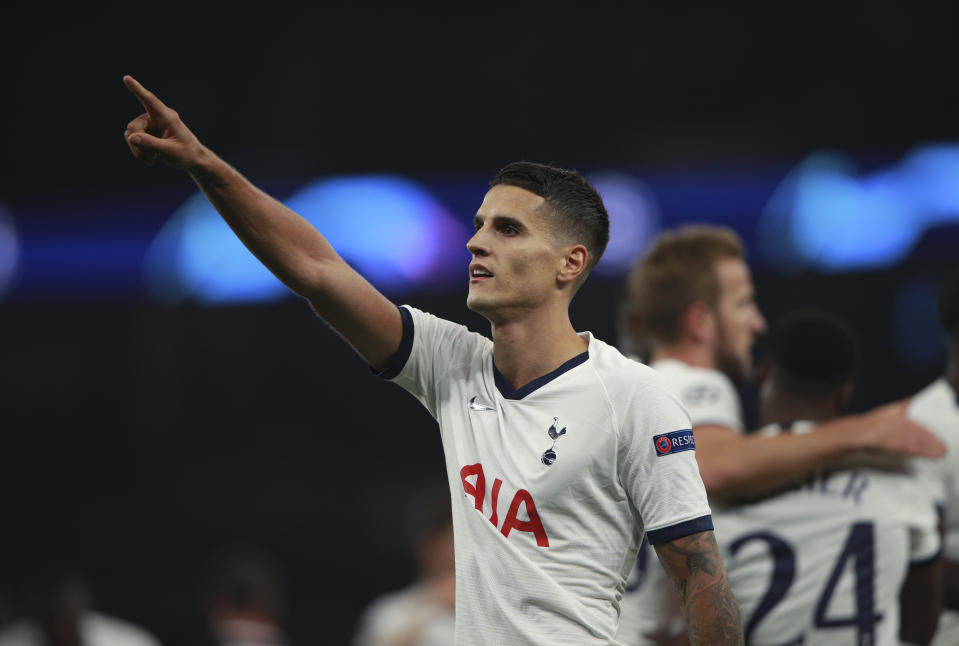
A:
x: 685, y: 528
x: 398, y: 360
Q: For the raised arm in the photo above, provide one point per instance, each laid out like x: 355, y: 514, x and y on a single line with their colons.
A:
x: 286, y: 243
x: 734, y: 465
x: 696, y: 568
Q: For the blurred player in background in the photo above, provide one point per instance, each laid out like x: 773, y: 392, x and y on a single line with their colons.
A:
x: 421, y: 614
x: 823, y: 562
x: 60, y: 612
x: 560, y: 452
x: 691, y: 304
x: 245, y: 599
x: 937, y: 407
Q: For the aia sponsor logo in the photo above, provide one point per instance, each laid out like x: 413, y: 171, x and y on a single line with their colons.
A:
x: 474, y: 484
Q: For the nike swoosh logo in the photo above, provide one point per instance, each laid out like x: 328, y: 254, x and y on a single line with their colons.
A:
x: 475, y: 406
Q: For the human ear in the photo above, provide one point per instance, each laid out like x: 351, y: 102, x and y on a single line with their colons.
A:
x: 700, y: 321
x: 574, y: 263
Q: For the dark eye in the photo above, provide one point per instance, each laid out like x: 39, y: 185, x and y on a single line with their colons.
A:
x: 509, y: 229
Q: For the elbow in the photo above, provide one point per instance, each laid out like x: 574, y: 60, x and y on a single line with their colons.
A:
x: 307, y: 280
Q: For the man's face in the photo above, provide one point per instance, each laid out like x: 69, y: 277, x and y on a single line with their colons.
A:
x: 738, y: 319
x: 515, y: 261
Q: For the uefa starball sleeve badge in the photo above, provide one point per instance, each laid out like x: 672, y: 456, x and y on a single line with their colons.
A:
x: 549, y: 455
x: 669, y: 443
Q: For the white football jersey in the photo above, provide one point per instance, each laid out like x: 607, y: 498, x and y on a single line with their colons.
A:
x: 708, y: 395
x: 937, y: 408
x: 399, y: 613
x: 553, y: 484
x: 822, y: 563
x: 649, y: 609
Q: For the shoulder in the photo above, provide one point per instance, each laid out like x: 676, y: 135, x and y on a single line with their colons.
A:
x: 938, y: 398
x: 20, y: 633
x: 624, y: 376
x: 937, y: 407
x: 110, y: 631
x: 389, y: 609
x: 427, y: 327
x: 694, y: 384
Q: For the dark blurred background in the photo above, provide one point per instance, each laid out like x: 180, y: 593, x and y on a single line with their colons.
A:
x: 154, y: 407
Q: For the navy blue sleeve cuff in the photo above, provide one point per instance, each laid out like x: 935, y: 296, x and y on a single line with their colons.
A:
x: 398, y: 360
x: 685, y: 528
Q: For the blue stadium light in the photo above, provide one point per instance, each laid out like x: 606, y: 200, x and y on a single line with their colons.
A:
x: 9, y: 251
x: 633, y: 220
x: 390, y: 228
x: 824, y: 215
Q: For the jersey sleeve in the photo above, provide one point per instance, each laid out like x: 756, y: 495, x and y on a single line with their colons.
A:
x: 430, y: 348
x: 711, y: 399
x: 925, y: 542
x: 920, y: 511
x: 659, y: 468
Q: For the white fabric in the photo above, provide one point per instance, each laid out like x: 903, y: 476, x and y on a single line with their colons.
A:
x: 859, y: 522
x: 936, y: 408
x: 401, y: 612
x: 95, y: 630
x: 605, y: 488
x: 709, y: 396
x: 648, y: 607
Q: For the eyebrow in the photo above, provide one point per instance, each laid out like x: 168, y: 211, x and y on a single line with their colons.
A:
x: 499, y: 220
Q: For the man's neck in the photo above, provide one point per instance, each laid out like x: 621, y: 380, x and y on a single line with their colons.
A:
x: 528, y: 348
x: 698, y: 356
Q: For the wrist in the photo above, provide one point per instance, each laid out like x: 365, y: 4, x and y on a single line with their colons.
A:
x: 203, y: 167
x: 849, y: 433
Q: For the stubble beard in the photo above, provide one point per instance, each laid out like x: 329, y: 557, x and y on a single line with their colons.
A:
x: 735, y: 367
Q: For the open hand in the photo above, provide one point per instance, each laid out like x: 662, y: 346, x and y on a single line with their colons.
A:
x: 159, y: 133
x: 889, y: 429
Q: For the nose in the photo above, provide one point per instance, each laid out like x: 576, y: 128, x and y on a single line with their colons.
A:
x: 760, y: 323
x: 476, y: 245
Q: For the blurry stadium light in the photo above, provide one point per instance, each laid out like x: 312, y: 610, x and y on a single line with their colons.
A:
x: 9, y: 251
x: 633, y: 220
x: 389, y: 228
x: 824, y: 215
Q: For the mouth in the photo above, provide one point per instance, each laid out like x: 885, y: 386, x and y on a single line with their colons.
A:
x: 479, y: 273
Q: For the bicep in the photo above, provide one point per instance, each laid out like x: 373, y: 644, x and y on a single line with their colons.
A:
x: 360, y: 313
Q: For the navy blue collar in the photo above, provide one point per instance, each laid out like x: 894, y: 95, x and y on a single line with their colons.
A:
x: 508, y: 392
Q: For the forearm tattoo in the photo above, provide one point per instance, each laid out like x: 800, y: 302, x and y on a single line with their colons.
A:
x: 696, y: 568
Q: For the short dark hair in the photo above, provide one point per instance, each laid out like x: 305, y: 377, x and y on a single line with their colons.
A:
x: 813, y: 348
x: 578, y: 207
x: 949, y: 304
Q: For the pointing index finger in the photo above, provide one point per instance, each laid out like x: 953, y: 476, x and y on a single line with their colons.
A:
x: 149, y: 100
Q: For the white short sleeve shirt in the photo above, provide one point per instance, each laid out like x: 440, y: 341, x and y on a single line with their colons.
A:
x: 553, y: 484
x: 710, y: 398
x: 822, y: 563
x: 937, y: 408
